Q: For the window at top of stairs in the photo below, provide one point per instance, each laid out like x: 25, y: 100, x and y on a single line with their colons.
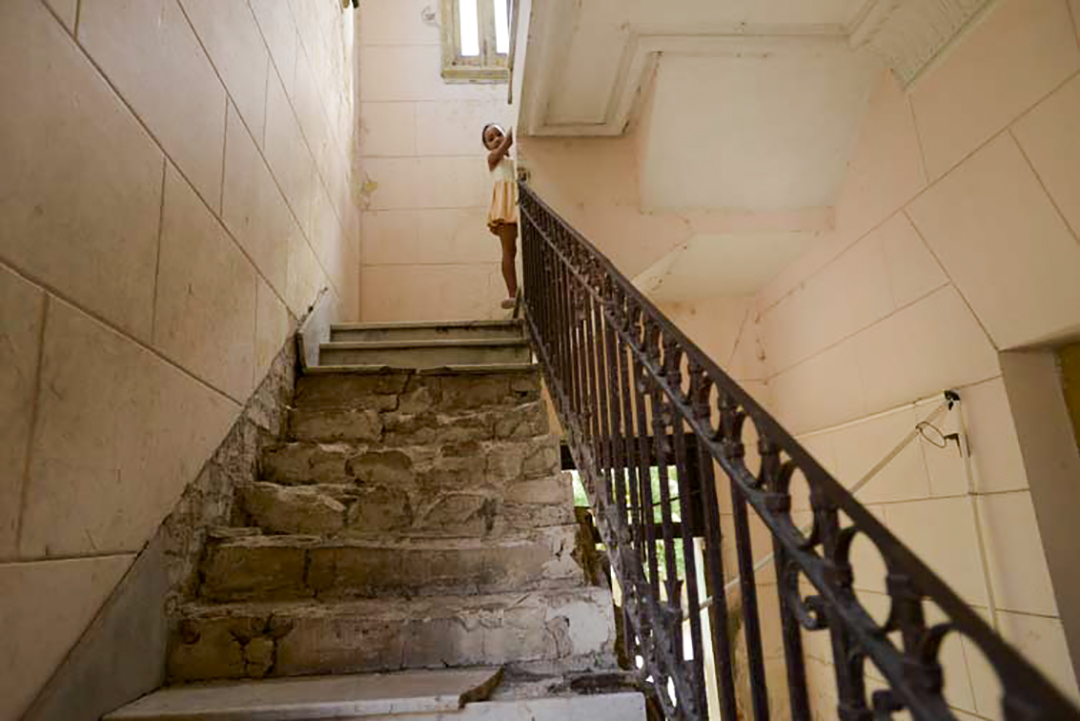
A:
x: 476, y: 40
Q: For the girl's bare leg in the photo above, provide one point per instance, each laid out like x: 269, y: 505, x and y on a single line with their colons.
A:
x: 508, y: 235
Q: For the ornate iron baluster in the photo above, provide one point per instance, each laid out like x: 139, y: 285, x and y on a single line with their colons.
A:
x: 686, y: 516
x: 776, y: 478
x: 700, y: 391
x: 732, y: 418
x: 598, y: 342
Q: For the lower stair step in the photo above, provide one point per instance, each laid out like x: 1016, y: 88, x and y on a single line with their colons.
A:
x: 624, y: 706
x: 571, y: 629
x: 314, y: 698
x: 296, y: 567
x: 461, y: 330
x: 425, y: 354
x: 410, y: 696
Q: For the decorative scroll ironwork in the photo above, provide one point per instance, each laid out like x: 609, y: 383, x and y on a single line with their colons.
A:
x: 629, y: 388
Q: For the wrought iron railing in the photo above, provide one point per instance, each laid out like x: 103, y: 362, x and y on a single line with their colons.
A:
x: 635, y: 395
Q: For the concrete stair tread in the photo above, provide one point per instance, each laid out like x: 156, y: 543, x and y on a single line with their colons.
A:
x: 567, y: 629
x: 448, y: 370
x: 305, y: 566
x: 502, y: 330
x: 426, y: 353
x: 428, y: 324
x: 311, y: 698
x: 388, y: 609
x: 396, y: 542
x: 432, y: 343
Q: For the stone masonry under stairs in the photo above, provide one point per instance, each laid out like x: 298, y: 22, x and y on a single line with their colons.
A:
x: 415, y: 517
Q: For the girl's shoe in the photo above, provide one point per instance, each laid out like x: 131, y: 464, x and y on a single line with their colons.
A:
x: 508, y: 303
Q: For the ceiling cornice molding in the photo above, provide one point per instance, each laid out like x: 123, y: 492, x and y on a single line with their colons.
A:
x: 644, y: 46
x: 908, y: 34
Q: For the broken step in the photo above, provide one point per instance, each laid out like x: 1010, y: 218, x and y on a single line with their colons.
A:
x: 296, y: 567
x: 459, y: 507
x: 411, y: 391
x: 424, y: 354
x: 455, y: 461
x: 469, y: 330
x: 573, y: 629
x: 313, y: 699
x: 404, y: 426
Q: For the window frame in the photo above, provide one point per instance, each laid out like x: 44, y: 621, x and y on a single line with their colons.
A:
x: 489, y: 66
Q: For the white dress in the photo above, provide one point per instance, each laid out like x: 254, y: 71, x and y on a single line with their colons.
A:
x: 504, y: 195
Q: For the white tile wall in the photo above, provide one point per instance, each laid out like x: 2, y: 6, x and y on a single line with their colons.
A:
x: 81, y: 180
x: 1019, y: 575
x: 1020, y: 53
x: 230, y: 35
x: 1004, y: 245
x: 119, y: 436
x: 144, y: 47
x: 1048, y: 138
x: 253, y: 208
x: 922, y: 350
x: 913, y: 271
x: 995, y: 448
x: 887, y: 168
x: 204, y: 310
x: 47, y: 606
x: 22, y: 308
x: 128, y: 412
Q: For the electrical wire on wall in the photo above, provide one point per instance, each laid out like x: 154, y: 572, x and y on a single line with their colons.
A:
x: 953, y: 429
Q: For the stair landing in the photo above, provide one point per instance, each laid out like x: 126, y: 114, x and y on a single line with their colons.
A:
x: 310, y: 699
x: 425, y: 346
x: 455, y: 695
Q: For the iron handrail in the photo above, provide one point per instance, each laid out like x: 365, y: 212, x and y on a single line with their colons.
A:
x: 626, y: 384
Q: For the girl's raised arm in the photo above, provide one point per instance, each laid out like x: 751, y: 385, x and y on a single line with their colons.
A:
x: 500, y: 150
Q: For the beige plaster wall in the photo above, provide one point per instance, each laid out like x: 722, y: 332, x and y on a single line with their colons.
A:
x: 594, y: 183
x: 956, y: 238
x: 428, y: 254
x: 174, y: 192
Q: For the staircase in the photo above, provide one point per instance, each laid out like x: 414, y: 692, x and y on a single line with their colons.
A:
x: 409, y: 548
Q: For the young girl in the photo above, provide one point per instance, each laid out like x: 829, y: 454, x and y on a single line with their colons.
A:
x: 502, y: 218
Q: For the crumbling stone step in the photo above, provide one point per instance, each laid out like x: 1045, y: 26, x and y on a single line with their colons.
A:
x: 387, y: 510
x: 421, y: 354
x: 471, y: 330
x: 470, y: 488
x: 296, y: 567
x: 322, y: 697
x: 574, y: 629
x: 432, y: 452
x: 418, y: 391
x: 401, y: 428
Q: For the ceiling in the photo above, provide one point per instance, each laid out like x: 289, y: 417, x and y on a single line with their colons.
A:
x: 750, y: 106
x: 753, y: 131
x: 589, y: 61
x: 730, y: 264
